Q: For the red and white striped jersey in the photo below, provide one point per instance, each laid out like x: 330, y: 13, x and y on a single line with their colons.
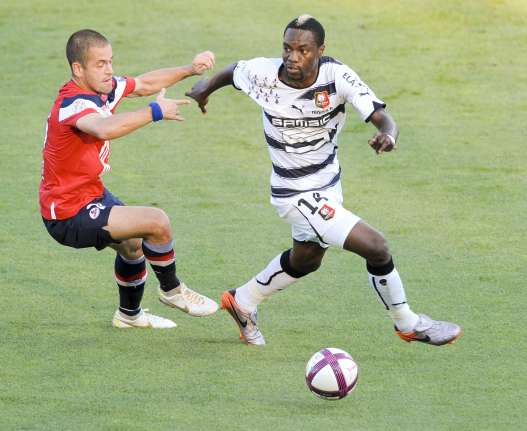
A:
x: 73, y: 161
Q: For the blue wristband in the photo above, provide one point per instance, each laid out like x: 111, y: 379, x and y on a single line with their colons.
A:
x: 157, y: 113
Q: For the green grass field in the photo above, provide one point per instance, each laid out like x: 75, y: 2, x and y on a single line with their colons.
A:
x: 451, y: 200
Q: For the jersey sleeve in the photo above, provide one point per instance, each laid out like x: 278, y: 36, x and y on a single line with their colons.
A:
x: 241, y: 77
x: 353, y: 90
x: 122, y: 87
x: 246, y: 71
x: 73, y: 108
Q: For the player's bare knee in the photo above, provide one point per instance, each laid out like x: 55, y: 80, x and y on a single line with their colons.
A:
x: 130, y: 249
x: 308, y: 261
x: 135, y: 248
x: 378, y: 253
x: 313, y: 263
x: 160, y: 229
x: 307, y: 266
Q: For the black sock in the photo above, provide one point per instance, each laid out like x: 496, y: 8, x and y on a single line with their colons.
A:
x: 163, y: 262
x: 130, y: 276
x: 381, y: 270
x: 130, y: 299
x: 166, y: 276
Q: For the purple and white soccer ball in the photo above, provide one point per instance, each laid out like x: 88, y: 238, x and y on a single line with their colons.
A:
x: 331, y: 374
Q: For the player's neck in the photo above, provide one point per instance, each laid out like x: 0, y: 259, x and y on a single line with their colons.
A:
x: 308, y: 81
x: 81, y: 84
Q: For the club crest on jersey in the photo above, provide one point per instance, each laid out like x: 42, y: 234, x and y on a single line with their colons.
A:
x: 326, y: 212
x: 322, y: 99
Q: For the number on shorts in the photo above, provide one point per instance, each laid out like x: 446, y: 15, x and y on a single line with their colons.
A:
x: 312, y: 208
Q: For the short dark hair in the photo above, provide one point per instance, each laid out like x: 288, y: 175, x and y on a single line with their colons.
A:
x: 79, y: 43
x: 307, y: 22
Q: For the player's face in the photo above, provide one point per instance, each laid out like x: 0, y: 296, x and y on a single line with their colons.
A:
x: 301, y: 56
x: 97, y: 71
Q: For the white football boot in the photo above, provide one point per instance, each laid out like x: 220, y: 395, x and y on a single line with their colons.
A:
x: 188, y: 301
x: 142, y: 320
x: 247, y: 322
x: 429, y: 331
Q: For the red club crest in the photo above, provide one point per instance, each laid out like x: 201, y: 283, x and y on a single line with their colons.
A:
x: 326, y: 212
x: 322, y: 99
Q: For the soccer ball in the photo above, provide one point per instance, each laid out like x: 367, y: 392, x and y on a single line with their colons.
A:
x: 331, y: 374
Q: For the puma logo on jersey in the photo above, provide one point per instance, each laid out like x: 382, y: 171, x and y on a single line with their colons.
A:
x: 297, y: 108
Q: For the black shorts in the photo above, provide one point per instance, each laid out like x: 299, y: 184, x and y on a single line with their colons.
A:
x: 85, y: 229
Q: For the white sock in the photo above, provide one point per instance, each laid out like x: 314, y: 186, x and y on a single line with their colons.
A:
x: 390, y: 291
x: 272, y: 279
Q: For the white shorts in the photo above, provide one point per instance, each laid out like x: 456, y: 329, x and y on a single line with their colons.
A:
x: 317, y: 216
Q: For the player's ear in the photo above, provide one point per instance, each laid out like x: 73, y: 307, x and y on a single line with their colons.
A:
x: 321, y: 49
x: 76, y: 69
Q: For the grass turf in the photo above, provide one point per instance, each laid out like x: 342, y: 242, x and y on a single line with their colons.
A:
x: 451, y: 201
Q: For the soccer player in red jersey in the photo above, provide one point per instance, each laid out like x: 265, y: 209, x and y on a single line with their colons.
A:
x: 78, y: 211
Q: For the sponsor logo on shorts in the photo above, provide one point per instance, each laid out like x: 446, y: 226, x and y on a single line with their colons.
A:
x: 95, y: 210
x: 326, y: 212
x: 94, y: 213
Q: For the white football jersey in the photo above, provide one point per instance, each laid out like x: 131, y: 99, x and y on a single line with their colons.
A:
x: 301, y: 125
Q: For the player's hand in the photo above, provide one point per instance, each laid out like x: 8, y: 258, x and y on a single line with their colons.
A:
x: 170, y: 107
x: 199, y: 94
x: 381, y: 143
x: 202, y: 62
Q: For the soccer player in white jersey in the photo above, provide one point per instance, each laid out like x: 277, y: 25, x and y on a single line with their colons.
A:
x: 303, y: 97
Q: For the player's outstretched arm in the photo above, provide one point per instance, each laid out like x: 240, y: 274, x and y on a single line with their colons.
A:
x: 124, y: 123
x: 202, y: 89
x: 152, y: 82
x: 386, y: 138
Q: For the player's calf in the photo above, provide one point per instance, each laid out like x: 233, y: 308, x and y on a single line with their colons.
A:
x: 130, y: 276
